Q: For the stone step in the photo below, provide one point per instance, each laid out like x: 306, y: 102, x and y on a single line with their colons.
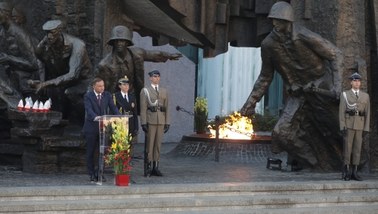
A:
x: 345, y: 209
x: 192, y: 198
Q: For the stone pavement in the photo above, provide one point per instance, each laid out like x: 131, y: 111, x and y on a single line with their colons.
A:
x: 240, y: 165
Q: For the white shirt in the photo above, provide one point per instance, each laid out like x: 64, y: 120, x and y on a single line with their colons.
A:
x: 356, y: 91
x: 97, y: 94
x: 156, y: 87
x: 124, y: 95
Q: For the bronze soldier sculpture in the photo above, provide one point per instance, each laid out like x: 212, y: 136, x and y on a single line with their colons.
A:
x: 68, y: 70
x: 128, y: 61
x: 354, y: 115
x: 310, y: 67
x: 18, y: 57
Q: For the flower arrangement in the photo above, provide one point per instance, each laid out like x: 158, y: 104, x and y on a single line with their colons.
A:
x: 200, y: 114
x: 118, y: 154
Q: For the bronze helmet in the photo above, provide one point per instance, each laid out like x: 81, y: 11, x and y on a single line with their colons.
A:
x: 282, y: 10
x: 121, y: 32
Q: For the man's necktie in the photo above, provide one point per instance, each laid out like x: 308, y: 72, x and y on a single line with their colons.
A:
x: 126, y: 98
x: 99, y: 99
x: 156, y: 89
x: 356, y: 94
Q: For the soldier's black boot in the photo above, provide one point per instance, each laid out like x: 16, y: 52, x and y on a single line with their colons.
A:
x: 155, y: 170
x: 346, y: 173
x: 148, y: 170
x: 355, y: 176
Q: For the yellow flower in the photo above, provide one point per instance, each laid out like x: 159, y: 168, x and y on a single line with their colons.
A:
x: 118, y: 153
x: 201, y: 105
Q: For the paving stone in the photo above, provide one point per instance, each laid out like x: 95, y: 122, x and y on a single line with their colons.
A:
x: 245, y: 164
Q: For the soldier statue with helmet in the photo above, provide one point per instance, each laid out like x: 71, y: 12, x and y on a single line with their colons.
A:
x: 127, y: 61
x: 310, y: 67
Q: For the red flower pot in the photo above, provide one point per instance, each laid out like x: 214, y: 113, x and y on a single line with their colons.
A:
x: 122, y: 180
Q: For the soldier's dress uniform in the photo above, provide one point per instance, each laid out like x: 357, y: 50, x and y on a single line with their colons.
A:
x: 154, y: 113
x: 354, y: 115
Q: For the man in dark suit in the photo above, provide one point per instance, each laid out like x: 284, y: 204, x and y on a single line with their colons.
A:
x: 126, y: 103
x: 354, y: 115
x: 97, y: 102
x: 155, y: 120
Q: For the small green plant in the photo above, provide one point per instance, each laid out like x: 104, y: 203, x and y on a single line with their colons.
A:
x: 264, y: 122
x: 200, y: 114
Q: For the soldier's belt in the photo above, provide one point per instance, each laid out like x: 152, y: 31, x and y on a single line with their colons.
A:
x: 355, y: 113
x: 156, y: 108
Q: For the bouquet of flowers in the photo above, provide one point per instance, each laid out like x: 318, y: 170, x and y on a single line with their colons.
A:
x: 200, y: 114
x: 118, y: 154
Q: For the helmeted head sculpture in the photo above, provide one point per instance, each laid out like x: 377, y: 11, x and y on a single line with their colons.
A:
x: 121, y: 32
x: 282, y: 10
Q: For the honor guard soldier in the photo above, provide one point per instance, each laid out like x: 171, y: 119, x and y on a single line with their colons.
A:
x: 154, y: 117
x: 354, y: 114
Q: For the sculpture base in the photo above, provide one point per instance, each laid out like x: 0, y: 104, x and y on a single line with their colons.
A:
x: 45, y: 143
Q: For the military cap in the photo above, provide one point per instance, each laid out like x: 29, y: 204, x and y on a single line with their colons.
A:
x: 51, y: 25
x: 355, y: 76
x: 5, y: 6
x: 123, y: 80
x: 154, y: 72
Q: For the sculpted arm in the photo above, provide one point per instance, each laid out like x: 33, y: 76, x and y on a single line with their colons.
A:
x: 21, y: 63
x: 26, y: 60
x: 327, y: 51
x: 76, y: 63
x: 158, y: 56
x: 261, y: 85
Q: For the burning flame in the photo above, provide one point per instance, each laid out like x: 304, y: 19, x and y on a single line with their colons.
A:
x: 235, y: 127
